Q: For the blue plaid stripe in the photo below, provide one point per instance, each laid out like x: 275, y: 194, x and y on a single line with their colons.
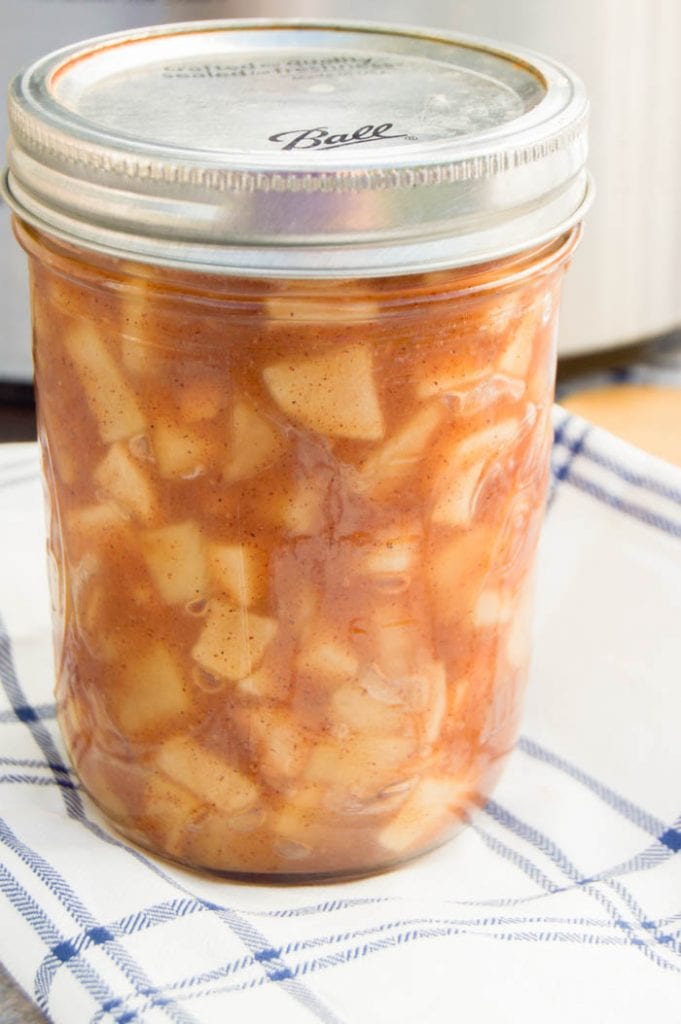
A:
x: 38, y: 713
x: 63, y: 951
x: 518, y: 860
x: 572, y: 447
x: 27, y: 762
x: 644, y: 481
x: 34, y: 914
x: 634, y: 509
x: 376, y: 940
x: 639, y: 937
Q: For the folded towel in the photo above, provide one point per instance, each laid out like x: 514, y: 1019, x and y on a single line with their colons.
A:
x: 561, y: 901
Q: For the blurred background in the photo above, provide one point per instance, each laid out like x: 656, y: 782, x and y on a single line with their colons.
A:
x: 625, y: 285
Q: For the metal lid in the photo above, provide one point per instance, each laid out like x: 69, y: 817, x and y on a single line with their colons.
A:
x: 298, y: 148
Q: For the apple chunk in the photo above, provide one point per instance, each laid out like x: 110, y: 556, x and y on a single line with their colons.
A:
x: 208, y: 777
x: 362, y: 765
x: 233, y: 640
x: 240, y: 570
x: 332, y: 394
x: 110, y: 399
x: 179, y: 450
x: 389, y: 466
x: 434, y: 803
x: 151, y: 693
x: 120, y: 478
x: 175, y: 557
x: 465, y: 465
x: 277, y: 743
x: 517, y: 356
x: 354, y: 708
x: 255, y: 443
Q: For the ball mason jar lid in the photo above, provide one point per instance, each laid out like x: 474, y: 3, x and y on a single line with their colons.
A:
x: 298, y: 148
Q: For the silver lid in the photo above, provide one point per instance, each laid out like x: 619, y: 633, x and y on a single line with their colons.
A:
x: 298, y: 148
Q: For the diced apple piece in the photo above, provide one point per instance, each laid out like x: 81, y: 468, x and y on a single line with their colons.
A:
x: 179, y: 451
x: 390, y: 465
x: 362, y: 764
x: 517, y: 356
x: 139, y: 357
x: 464, y: 469
x: 120, y: 478
x: 176, y: 558
x: 264, y: 683
x: 139, y: 353
x: 97, y: 524
x: 458, y: 569
x: 152, y: 692
x: 279, y: 745
x: 240, y: 571
x: 210, y: 778
x: 354, y: 708
x: 433, y: 803
x: 499, y: 309
x: 332, y: 394
x: 233, y: 640
x: 255, y: 443
x: 328, y: 659
x: 111, y: 401
x: 170, y: 809
x: 299, y: 825
x: 201, y: 400
x: 221, y: 842
x: 289, y: 309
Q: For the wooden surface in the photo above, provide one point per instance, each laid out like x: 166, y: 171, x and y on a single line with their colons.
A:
x: 643, y: 414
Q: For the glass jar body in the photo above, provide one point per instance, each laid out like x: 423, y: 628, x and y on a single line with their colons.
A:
x: 292, y: 526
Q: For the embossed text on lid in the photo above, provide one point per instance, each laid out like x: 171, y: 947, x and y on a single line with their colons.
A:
x: 298, y: 148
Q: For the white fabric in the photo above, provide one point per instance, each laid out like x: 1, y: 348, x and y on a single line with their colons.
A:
x: 560, y: 902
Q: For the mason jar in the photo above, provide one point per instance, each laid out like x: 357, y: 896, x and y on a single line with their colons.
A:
x: 295, y: 290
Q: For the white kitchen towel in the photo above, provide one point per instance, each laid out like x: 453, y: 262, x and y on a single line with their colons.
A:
x: 560, y: 902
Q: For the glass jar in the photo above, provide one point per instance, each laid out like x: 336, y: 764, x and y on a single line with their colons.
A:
x: 293, y: 515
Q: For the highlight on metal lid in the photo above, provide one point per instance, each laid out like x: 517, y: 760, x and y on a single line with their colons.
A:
x: 298, y: 148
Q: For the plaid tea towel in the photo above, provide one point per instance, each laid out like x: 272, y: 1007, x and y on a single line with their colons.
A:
x: 561, y: 901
